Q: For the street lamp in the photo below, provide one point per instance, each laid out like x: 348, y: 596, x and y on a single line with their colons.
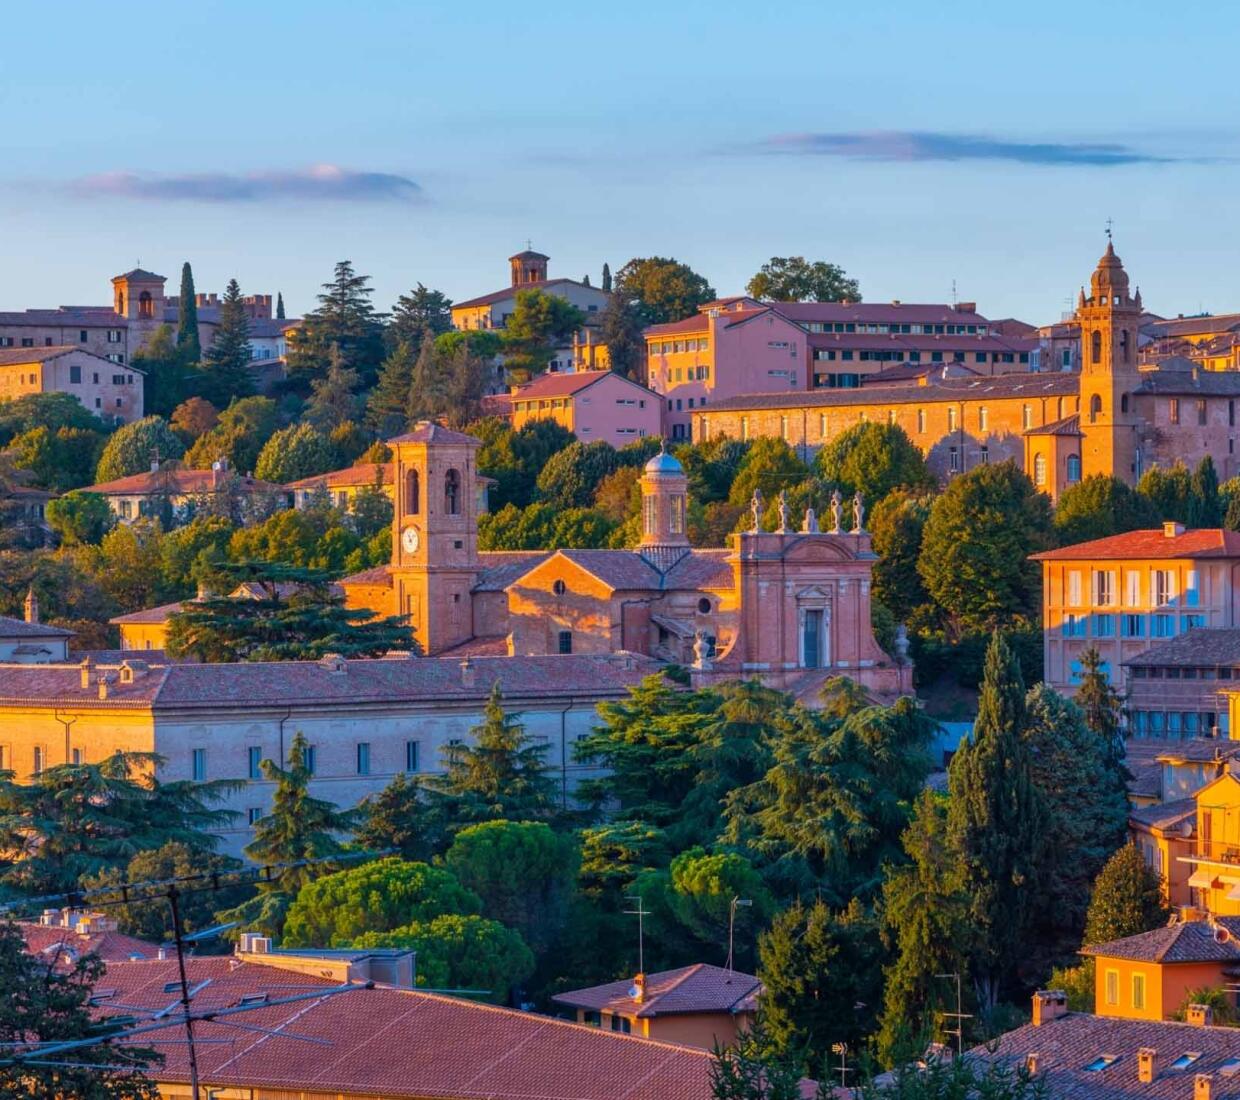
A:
x: 732, y: 922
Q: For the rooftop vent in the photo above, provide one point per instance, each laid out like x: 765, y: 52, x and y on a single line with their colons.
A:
x: 1172, y: 529
x: 333, y: 662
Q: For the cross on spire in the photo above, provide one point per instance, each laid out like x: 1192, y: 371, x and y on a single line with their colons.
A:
x: 529, y: 245
x: 1110, y: 223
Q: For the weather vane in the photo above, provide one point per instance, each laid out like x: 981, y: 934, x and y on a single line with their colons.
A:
x: 1109, y: 224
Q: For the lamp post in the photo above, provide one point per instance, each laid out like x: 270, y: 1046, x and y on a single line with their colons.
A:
x: 732, y: 921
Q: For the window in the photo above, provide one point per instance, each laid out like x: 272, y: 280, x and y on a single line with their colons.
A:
x: 363, y: 758
x: 1173, y: 410
x: 1185, y: 1060
x: 1026, y: 417
x: 1074, y: 469
x: 1162, y: 626
x: 1074, y: 626
x: 951, y: 420
x: 1074, y: 588
x: 1138, y: 991
x: 1164, y: 587
x: 1201, y: 412
x: 1132, y: 588
x: 413, y: 493
x: 1131, y: 626
x: 254, y: 815
x: 1104, y: 1061
x: 921, y: 421
x: 953, y: 459
x: 703, y: 606
x: 559, y: 587
x: 1192, y: 592
x: 1104, y: 626
x: 1095, y: 347
x: 40, y: 759
x: 452, y: 493
x: 1104, y: 587
x: 312, y: 759
x: 75, y: 375
x: 1192, y: 622
x: 255, y: 754
x: 198, y: 765
x: 1039, y: 470
x: 783, y: 427
x: 27, y: 341
x: 146, y: 307
x: 76, y: 756
x: 1112, y: 987
x: 413, y: 756
x: 565, y: 641
x: 744, y: 426
x: 983, y: 418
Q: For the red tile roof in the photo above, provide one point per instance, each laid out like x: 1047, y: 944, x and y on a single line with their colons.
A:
x: 697, y: 988
x: 1069, y: 425
x: 364, y: 473
x: 19, y: 628
x: 698, y: 323
x: 17, y: 357
x: 427, y: 431
x: 179, y: 481
x: 376, y: 575
x: 1205, y: 542
x: 872, y: 313
x: 513, y: 291
x: 1186, y: 942
x: 400, y: 1044
x: 48, y: 940
x: 562, y: 385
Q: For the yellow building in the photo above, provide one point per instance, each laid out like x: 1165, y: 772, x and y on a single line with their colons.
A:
x: 342, y: 486
x: 112, y: 391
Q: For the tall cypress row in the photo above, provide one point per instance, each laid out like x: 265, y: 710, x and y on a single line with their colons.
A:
x: 187, y: 318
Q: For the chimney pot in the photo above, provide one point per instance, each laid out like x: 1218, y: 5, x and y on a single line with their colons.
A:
x: 1202, y: 1086
x: 1031, y: 1064
x: 1147, y: 1065
x: 85, y: 668
x: 639, y: 988
x: 1199, y: 1015
x: 1172, y: 529
x: 1049, y: 1004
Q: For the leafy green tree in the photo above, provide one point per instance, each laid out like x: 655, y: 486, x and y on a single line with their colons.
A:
x: 795, y: 279
x: 571, y: 477
x: 523, y: 871
x: 448, y: 382
x: 152, y: 920
x: 618, y: 495
x: 72, y: 821
x: 80, y: 518
x: 314, y: 538
x: 187, y: 318
x: 875, y: 459
x: 162, y: 361
x: 419, y: 316
x: 753, y: 1068
x: 225, y: 372
x: 822, y: 979
x: 701, y: 886
x: 47, y: 1004
x: 769, y: 465
x: 293, y: 453
x: 129, y: 564
x: 293, y: 615
x: 333, y: 397
x: 997, y: 827
x: 711, y: 466
x: 620, y: 328
x: 346, y: 319
x: 514, y: 459
x: 462, y: 951
x: 388, y: 403
x: 299, y: 827
x: 1169, y: 492
x: 393, y: 820
x: 897, y: 523
x: 243, y: 428
x: 1206, y: 504
x: 135, y: 446
x: 58, y: 460
x: 1098, y: 507
x: 539, y: 324
x: 976, y: 545
x: 952, y: 1078
x: 662, y: 289
x: 481, y: 342
x: 45, y: 410
x: 1127, y: 899
x: 194, y: 417
x: 614, y: 854
x: 334, y: 910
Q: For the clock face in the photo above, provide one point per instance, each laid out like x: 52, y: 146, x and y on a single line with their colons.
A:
x: 410, y: 540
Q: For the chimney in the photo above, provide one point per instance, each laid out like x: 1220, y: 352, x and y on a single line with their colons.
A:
x: 468, y: 673
x: 639, y: 988
x: 1201, y: 1086
x: 1147, y: 1065
x: 1031, y: 1064
x: 50, y: 918
x: 1199, y: 1015
x: 1172, y: 529
x: 103, y: 686
x: 333, y: 662
x: 1049, y: 1004
x: 155, y: 465
x: 86, y: 666
x: 32, y: 606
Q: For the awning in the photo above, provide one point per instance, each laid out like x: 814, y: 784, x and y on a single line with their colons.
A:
x: 1201, y: 879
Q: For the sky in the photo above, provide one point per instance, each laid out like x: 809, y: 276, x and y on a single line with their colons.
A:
x: 920, y: 146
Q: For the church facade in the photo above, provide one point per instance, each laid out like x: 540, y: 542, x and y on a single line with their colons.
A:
x: 1115, y: 416
x: 790, y: 607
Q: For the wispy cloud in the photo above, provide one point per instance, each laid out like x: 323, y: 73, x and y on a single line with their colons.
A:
x: 929, y: 145
x: 320, y: 183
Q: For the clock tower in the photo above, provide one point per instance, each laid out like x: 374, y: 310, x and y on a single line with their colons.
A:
x: 435, y: 533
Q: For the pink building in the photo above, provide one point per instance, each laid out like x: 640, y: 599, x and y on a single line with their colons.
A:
x: 593, y: 405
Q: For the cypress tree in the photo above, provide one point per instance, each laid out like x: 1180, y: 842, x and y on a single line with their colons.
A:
x: 187, y: 318
x: 279, y: 306
x: 1206, y: 507
x: 607, y: 278
x: 995, y: 826
x: 585, y: 280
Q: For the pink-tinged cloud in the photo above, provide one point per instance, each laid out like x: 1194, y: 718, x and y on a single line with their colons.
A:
x: 320, y: 183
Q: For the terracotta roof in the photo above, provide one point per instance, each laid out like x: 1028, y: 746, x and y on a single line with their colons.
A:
x: 312, y: 683
x: 65, y: 317
x: 19, y: 628
x: 377, y: 574
x: 1141, y: 760
x: 139, y: 273
x: 1192, y: 326
x: 16, y: 357
x: 495, y: 645
x: 149, y: 615
x: 364, y: 473
x: 700, y: 322
x: 1194, y: 647
x: 1165, y: 815
x: 179, y: 481
x: 1067, y: 1045
x: 427, y: 431
x: 925, y: 343
x: 619, y: 569
x: 1069, y: 425
x: 1203, y: 542
x: 1020, y: 384
x: 912, y: 372
x: 1185, y: 942
x: 878, y: 313
x: 697, y: 988
x: 401, y: 1044
x: 528, y: 254
x: 1195, y: 750
x: 513, y: 291
x: 700, y: 569
x: 501, y: 567
x: 46, y: 940
x: 1195, y: 383
x: 558, y: 384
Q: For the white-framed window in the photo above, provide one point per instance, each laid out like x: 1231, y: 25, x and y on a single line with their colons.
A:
x: 198, y: 765
x: 1074, y: 588
x: 1164, y: 587
x: 1104, y: 587
x: 1132, y: 588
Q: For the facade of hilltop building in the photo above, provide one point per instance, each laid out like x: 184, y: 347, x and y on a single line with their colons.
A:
x: 592, y: 404
x: 1179, y: 688
x: 110, y: 390
x: 791, y: 607
x: 1115, y: 415
x: 342, y: 486
x: 176, y: 493
x: 1125, y: 593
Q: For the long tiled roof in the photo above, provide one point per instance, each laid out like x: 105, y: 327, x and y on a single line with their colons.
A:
x: 949, y: 389
x: 558, y: 384
x: 1165, y: 815
x: 1067, y: 1045
x: 1185, y: 942
x: 513, y: 291
x: 1202, y: 542
x: 911, y: 342
x: 1185, y: 326
x: 620, y: 569
x: 700, y: 569
x: 16, y: 357
x: 399, y: 1044
x: 377, y: 574
x: 318, y: 683
x: 1194, y: 383
x: 149, y: 615
x: 65, y: 317
x: 697, y: 988
x: 1194, y: 647
x: 427, y: 431
x: 19, y: 628
x: 179, y: 481
x: 1069, y: 425
x: 879, y: 313
x: 45, y: 940
x: 501, y: 567
x: 364, y: 473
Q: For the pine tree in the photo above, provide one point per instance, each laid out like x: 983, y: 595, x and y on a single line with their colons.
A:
x: 226, y: 366
x: 995, y: 824
x: 346, y: 318
x: 333, y: 398
x: 387, y: 407
x: 428, y: 386
x: 607, y: 278
x: 585, y: 280
x: 187, y: 318
x: 279, y: 306
x: 1101, y: 703
x: 418, y: 317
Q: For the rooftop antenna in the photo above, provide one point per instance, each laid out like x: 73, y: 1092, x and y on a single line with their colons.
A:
x: 842, y: 1050
x: 953, y: 292
x: 1110, y: 223
x: 736, y: 901
x: 959, y: 1015
x: 640, y: 913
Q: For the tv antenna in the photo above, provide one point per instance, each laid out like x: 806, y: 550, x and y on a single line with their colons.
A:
x: 959, y: 1015
x: 842, y: 1050
x: 640, y: 913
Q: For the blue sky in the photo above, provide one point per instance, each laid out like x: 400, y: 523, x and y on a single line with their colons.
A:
x: 914, y: 144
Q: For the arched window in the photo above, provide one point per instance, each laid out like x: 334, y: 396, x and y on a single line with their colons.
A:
x: 452, y: 493
x: 1095, y: 347
x: 413, y: 493
x: 1039, y: 470
x: 1123, y: 344
x: 120, y: 301
x: 1074, y: 469
x: 678, y: 515
x: 146, y: 308
x: 1095, y: 408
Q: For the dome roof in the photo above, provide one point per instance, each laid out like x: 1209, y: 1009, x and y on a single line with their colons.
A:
x: 664, y: 463
x: 1109, y: 275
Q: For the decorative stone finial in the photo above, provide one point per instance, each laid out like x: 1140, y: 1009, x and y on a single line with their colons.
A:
x: 701, y: 651
x: 783, y: 512
x: 902, y: 644
x: 810, y: 527
x: 858, y: 514
x: 837, y: 511
x: 756, y: 507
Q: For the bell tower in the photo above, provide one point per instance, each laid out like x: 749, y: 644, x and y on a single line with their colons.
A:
x: 528, y: 267
x: 435, y: 533
x: 665, y: 488
x: 1109, y: 319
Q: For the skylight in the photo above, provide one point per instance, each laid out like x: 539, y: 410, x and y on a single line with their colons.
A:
x: 1229, y: 1068
x: 1103, y: 1061
x: 1186, y: 1059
